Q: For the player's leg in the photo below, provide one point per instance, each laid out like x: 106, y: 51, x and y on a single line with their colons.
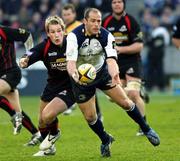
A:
x: 98, y: 110
x: 13, y: 98
x: 58, y: 105
x: 89, y: 111
x: 5, y: 89
x: 119, y: 96
x: 43, y: 130
x: 133, y: 91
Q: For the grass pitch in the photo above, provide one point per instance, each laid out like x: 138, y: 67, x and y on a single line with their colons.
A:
x: 79, y: 143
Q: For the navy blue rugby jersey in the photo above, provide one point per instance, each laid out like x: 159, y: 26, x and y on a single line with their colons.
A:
x: 93, y: 49
x: 176, y: 29
x: 54, y: 59
x: 8, y: 37
x: 126, y: 32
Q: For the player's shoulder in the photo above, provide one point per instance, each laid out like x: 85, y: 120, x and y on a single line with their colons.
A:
x: 130, y: 17
x: 78, y: 29
x: 104, y: 32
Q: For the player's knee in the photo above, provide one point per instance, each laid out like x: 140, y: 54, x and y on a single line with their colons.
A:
x: 47, y: 117
x: 90, y: 118
x: 126, y: 104
x: 133, y: 86
x: 134, y: 95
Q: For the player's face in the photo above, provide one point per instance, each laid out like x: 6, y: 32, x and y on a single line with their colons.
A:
x: 56, y: 34
x: 117, y: 6
x: 68, y: 16
x: 93, y: 23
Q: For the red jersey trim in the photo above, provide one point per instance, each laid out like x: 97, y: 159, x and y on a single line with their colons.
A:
x: 107, y: 21
x: 46, y: 47
x: 128, y: 22
x: 3, y: 34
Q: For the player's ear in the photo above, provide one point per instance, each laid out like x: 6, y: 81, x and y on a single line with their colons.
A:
x: 84, y: 20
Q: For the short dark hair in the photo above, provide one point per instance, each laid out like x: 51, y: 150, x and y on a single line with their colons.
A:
x: 88, y: 10
x: 69, y: 6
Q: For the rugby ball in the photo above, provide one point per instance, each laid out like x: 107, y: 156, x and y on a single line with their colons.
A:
x: 87, y: 73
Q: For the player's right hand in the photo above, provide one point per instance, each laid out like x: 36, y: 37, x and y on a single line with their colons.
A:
x: 23, y: 62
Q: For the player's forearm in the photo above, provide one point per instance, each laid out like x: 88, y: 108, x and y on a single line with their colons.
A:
x: 113, y: 68
x: 71, y: 67
x: 130, y: 49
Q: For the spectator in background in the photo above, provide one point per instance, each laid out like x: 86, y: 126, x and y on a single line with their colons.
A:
x: 176, y: 34
x: 129, y: 43
x: 158, y: 40
x: 69, y: 17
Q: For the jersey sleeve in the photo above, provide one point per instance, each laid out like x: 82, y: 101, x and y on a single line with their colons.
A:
x: 16, y: 34
x: 36, y: 53
x: 72, y: 47
x: 110, y: 51
x: 136, y: 34
x: 20, y: 35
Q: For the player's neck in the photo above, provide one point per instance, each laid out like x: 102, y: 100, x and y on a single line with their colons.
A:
x: 118, y: 16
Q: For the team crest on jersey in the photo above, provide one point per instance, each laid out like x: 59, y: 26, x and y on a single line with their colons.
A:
x: 82, y: 97
x: 85, y: 43
x: 52, y: 54
x: 123, y: 28
x: 22, y: 31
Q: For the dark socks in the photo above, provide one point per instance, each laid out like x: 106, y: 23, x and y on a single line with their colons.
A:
x: 6, y: 106
x: 97, y: 107
x: 53, y: 127
x: 27, y: 123
x: 44, y: 132
x: 136, y: 116
x: 98, y: 128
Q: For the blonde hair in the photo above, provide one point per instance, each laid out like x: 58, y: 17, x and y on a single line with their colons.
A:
x: 54, y: 20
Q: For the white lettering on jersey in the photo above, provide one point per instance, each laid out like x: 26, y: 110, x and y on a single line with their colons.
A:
x: 52, y: 54
x: 111, y: 29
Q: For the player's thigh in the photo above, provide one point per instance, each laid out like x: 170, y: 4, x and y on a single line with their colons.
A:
x: 4, y: 87
x: 88, y: 109
x: 118, y: 95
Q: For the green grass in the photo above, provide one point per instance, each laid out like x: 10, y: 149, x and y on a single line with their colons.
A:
x: 79, y: 143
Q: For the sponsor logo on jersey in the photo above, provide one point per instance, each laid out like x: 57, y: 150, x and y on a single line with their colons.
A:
x: 130, y: 71
x: 60, y: 64
x: 52, y: 54
x: 63, y: 93
x: 110, y: 29
x: 4, y: 76
x: 123, y: 28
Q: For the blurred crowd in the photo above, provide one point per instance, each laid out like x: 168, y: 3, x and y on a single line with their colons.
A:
x: 157, y: 18
x: 165, y: 12
x: 31, y: 14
